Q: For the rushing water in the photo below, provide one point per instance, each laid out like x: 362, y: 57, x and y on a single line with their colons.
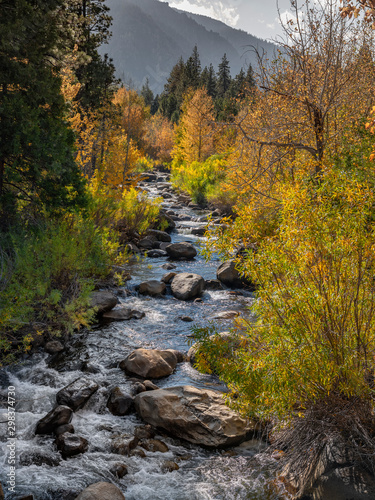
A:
x: 203, y: 475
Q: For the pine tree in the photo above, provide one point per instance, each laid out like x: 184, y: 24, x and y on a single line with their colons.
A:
x: 223, y: 77
x: 192, y: 70
x: 36, y: 146
x: 147, y: 93
x: 208, y: 80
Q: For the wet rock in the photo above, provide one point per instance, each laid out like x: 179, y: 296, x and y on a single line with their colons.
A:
x: 148, y: 177
x: 123, y: 445
x: 152, y: 287
x: 187, y: 319
x: 64, y: 428
x: 76, y: 394
x: 199, y: 416
x: 103, y: 301
x: 167, y: 196
x: 167, y: 278
x: 144, y: 432
x: 123, y: 314
x: 138, y: 452
x: 155, y: 254
x: 35, y: 458
x: 119, y: 470
x: 213, y: 285
x: 168, y: 266
x: 226, y: 315
x: 71, y: 444
x: 60, y: 415
x: 132, y: 248
x: 101, y: 491
x: 148, y: 243
x: 149, y: 363
x: 186, y: 286
x: 53, y: 347
x: 119, y: 403
x: 228, y: 274
x: 199, y: 231
x: 160, y: 235
x: 198, y: 301
x: 27, y: 497
x: 150, y: 386
x: 183, y: 250
x: 180, y: 356
x: 138, y: 387
x: 154, y: 445
x: 169, y: 466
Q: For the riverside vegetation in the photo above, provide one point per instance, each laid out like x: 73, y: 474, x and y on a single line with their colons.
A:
x: 285, y: 154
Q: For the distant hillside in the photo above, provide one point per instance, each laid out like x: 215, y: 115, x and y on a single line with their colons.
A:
x: 149, y: 37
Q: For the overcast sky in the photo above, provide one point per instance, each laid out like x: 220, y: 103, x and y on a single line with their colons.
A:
x: 258, y: 17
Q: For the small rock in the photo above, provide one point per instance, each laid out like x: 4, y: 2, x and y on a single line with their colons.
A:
x: 53, y: 347
x: 228, y: 274
x: 71, y: 445
x: 123, y: 314
x: 132, y: 248
x: 150, y: 386
x: 123, y: 445
x: 213, y: 285
x: 155, y: 254
x: 199, y: 231
x: 167, y: 278
x: 160, y: 235
x: 183, y: 250
x: 76, y: 394
x: 64, y: 428
x: 101, y: 491
x: 226, y: 315
x: 119, y: 470
x: 138, y: 452
x: 198, y: 301
x: 169, y: 466
x: 185, y: 457
x: 144, y: 432
x: 138, y: 387
x: 149, y: 243
x: 168, y: 266
x: 187, y: 319
x: 152, y: 287
x: 118, y: 403
x: 154, y: 445
x: 35, y: 458
x: 58, y: 416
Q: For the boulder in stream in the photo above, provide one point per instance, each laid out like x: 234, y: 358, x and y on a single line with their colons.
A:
x: 119, y: 403
x: 160, y: 235
x: 71, y: 444
x: 228, y: 274
x: 149, y: 363
x: 103, y: 301
x: 152, y: 287
x: 76, y: 394
x: 53, y: 347
x: 123, y: 314
x: 199, y: 231
x: 187, y: 286
x: 101, y: 491
x: 183, y: 251
x: 60, y: 415
x: 199, y: 416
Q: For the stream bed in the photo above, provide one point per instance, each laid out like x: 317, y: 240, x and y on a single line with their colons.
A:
x: 96, y: 353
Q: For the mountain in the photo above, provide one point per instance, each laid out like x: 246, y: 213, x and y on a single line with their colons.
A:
x: 148, y: 38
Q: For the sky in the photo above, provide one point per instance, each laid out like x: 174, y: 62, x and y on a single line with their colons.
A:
x: 257, y: 17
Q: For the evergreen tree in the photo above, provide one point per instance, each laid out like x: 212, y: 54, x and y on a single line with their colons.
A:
x: 208, y: 80
x: 192, y: 71
x: 147, y: 93
x: 36, y: 146
x: 223, y: 77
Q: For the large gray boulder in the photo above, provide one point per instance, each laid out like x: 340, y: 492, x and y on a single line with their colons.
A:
x: 101, y: 491
x: 103, y: 301
x: 160, y: 235
x: 76, y: 394
x: 187, y: 286
x: 199, y: 416
x: 149, y: 363
x: 183, y: 251
x: 228, y: 274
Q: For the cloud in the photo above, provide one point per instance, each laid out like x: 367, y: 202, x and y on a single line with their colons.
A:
x: 223, y: 10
